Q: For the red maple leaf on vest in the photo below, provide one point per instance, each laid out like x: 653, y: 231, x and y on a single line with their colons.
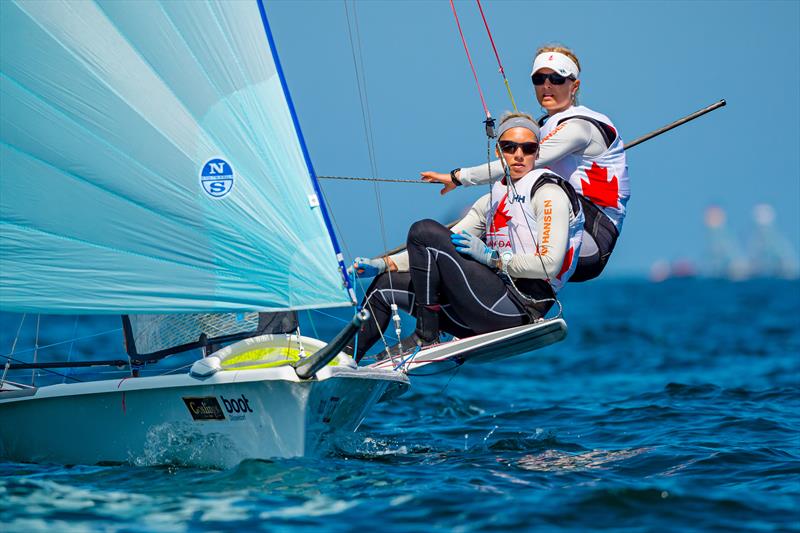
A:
x: 501, y: 216
x: 599, y: 189
x: 567, y: 262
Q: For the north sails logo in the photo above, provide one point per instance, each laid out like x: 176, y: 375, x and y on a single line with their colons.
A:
x: 216, y: 177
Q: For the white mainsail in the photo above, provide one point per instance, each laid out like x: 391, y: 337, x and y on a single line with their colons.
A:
x: 150, y: 162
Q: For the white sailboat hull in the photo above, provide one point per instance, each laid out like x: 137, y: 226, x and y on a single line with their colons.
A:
x: 217, y: 421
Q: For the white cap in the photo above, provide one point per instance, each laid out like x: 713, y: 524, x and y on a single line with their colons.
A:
x: 558, y: 62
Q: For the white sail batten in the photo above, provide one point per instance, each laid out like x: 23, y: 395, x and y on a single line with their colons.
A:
x: 149, y: 163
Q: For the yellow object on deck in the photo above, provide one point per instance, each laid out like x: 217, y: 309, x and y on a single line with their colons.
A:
x: 271, y: 357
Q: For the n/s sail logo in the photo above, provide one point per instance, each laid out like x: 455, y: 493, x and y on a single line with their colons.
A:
x: 217, y: 178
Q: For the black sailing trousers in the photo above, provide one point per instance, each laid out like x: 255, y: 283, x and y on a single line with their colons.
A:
x: 471, y: 297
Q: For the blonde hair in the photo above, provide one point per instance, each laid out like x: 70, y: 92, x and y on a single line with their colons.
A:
x: 561, y: 49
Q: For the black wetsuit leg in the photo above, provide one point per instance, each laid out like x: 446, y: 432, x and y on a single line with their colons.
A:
x: 399, y: 289
x: 474, y: 291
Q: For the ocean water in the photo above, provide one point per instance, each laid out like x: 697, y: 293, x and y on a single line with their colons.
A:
x: 672, y: 406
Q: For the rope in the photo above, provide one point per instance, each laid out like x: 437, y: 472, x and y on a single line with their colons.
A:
x: 72, y: 343
x: 16, y: 338
x: 366, y: 117
x: 384, y: 180
x: 469, y: 58
x: 35, y: 349
x: 10, y: 359
x: 356, y: 282
x: 311, y: 321
x: 409, y: 358
x: 42, y: 347
x: 499, y: 63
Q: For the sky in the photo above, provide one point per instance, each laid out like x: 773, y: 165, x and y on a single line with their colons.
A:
x: 644, y: 64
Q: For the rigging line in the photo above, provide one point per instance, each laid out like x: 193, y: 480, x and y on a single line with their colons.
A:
x: 313, y: 325
x: 384, y: 180
x: 469, y: 58
x: 366, y: 117
x: 363, y: 101
x: 362, y: 73
x: 13, y: 347
x: 499, y: 64
x: 175, y: 369
x: 15, y: 360
x: 72, y: 342
x: 16, y: 338
x: 35, y: 349
x: 61, y: 342
x: 356, y: 279
x: 453, y: 375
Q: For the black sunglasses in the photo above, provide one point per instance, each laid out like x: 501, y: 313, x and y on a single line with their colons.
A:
x: 510, y: 147
x: 555, y: 78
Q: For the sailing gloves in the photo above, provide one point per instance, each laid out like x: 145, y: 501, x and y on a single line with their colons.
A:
x: 367, y: 268
x: 469, y: 245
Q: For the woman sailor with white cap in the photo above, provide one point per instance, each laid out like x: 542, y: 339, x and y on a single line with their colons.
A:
x: 499, y: 267
x: 579, y: 144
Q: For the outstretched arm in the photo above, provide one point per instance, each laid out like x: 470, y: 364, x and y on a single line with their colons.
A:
x: 465, y: 176
x: 574, y: 136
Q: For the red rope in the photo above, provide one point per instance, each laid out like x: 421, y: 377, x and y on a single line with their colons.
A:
x: 489, y: 32
x: 469, y: 58
x: 499, y: 63
x: 124, y: 407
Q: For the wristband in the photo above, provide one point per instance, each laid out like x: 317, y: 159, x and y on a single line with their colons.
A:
x: 453, y: 176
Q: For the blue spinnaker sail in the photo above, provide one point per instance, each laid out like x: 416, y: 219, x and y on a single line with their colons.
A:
x: 149, y: 163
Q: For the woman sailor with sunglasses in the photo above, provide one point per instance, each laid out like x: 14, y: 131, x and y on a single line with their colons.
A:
x: 499, y: 267
x: 579, y: 144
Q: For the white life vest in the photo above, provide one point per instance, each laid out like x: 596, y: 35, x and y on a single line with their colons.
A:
x: 508, y: 229
x: 603, y: 179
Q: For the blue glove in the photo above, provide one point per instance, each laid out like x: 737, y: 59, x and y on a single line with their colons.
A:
x: 367, y: 268
x: 469, y: 245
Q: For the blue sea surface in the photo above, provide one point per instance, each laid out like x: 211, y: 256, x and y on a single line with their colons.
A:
x: 672, y: 406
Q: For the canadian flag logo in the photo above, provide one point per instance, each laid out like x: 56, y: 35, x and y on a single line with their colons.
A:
x: 599, y: 189
x: 501, y: 217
